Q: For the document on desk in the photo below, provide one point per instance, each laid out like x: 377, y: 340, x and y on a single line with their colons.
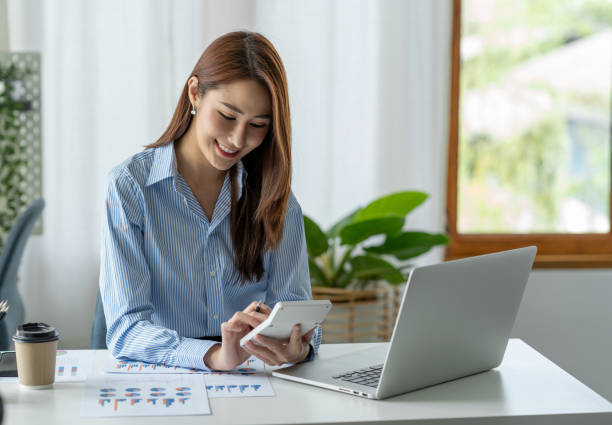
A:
x: 73, y: 365
x: 70, y: 366
x: 251, y: 365
x: 145, y: 395
x: 220, y: 385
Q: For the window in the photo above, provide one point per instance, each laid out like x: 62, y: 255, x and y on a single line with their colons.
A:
x: 529, y: 149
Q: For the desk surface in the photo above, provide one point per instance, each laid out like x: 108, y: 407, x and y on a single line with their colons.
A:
x: 526, y: 389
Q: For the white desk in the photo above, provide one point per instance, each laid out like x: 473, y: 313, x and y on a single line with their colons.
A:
x: 526, y: 389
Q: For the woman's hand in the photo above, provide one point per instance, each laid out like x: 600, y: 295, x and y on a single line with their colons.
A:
x: 229, y: 354
x: 275, y: 352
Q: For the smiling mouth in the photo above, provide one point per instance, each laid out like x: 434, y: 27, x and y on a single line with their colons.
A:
x: 226, y: 152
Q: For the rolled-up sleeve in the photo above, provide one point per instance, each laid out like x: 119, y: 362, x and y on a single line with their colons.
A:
x: 125, y: 285
x: 288, y: 274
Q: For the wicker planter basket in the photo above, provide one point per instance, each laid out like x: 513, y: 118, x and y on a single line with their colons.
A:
x: 359, y: 315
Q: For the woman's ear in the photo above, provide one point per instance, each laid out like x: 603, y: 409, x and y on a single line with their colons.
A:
x: 192, y: 89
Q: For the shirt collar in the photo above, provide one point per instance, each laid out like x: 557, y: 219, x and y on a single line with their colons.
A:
x: 241, y: 176
x: 164, y: 166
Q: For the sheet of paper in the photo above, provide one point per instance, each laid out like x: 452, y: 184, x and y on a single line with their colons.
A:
x: 70, y: 366
x: 252, y: 365
x: 73, y: 365
x: 238, y: 385
x: 145, y: 395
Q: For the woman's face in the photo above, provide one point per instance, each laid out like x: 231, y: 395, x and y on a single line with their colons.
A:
x: 231, y: 121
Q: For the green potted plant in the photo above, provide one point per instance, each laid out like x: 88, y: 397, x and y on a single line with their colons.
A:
x: 368, y: 247
x: 343, y: 255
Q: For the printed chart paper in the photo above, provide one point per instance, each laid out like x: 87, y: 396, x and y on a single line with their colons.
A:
x: 70, y: 366
x: 73, y: 365
x: 236, y: 385
x: 252, y: 365
x: 145, y: 395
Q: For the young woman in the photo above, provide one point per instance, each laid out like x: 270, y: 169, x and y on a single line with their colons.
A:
x: 202, y: 235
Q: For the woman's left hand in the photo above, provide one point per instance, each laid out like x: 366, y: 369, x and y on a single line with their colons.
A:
x: 275, y: 352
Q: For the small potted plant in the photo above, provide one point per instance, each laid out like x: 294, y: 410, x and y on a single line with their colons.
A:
x: 361, y: 260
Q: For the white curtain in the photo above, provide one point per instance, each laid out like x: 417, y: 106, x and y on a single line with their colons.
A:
x: 368, y: 83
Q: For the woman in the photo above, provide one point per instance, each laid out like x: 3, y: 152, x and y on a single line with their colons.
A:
x: 202, y: 233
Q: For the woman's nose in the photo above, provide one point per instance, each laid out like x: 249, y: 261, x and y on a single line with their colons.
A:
x: 239, y: 137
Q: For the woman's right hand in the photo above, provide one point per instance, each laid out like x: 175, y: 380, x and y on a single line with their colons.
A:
x: 229, y: 354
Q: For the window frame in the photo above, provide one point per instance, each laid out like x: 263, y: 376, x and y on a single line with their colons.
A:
x: 586, y: 250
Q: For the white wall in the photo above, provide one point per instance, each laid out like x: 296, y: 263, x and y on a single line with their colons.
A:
x: 567, y: 316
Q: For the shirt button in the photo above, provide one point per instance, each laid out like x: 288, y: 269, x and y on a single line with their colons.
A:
x: 212, y: 273
x: 215, y: 316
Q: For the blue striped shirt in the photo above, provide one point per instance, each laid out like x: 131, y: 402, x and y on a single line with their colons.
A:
x: 167, y: 272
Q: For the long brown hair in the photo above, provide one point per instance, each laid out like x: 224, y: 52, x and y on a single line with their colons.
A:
x: 257, y: 216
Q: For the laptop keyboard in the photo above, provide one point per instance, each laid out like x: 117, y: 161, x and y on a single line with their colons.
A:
x: 368, y: 376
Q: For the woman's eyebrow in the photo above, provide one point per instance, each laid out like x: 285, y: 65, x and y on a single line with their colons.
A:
x: 233, y: 108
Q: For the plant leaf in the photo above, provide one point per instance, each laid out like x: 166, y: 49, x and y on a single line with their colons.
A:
x: 409, y: 244
x: 354, y: 233
x: 340, y: 268
x: 370, y: 267
x: 317, y: 277
x: 344, y: 280
x: 397, y: 205
x: 336, y: 228
x: 316, y: 240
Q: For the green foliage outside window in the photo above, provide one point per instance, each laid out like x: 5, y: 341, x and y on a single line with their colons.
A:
x: 553, y: 166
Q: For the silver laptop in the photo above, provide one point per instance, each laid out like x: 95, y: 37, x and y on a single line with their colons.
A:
x: 454, y: 320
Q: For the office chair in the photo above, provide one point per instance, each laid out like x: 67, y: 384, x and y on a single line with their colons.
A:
x: 98, y: 327
x: 10, y: 258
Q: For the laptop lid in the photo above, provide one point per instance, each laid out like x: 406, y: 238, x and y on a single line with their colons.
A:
x: 455, y: 319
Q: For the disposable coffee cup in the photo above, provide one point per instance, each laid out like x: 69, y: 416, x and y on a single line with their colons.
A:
x: 36, y: 350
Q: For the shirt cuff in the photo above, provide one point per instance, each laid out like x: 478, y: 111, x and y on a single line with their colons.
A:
x: 190, y: 353
x: 311, y: 354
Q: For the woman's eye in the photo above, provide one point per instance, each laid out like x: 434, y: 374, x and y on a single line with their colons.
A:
x: 227, y: 117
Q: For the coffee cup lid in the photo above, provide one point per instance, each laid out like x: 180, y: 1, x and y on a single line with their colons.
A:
x: 35, y: 332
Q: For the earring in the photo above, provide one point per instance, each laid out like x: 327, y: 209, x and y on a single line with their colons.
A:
x: 192, y: 110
